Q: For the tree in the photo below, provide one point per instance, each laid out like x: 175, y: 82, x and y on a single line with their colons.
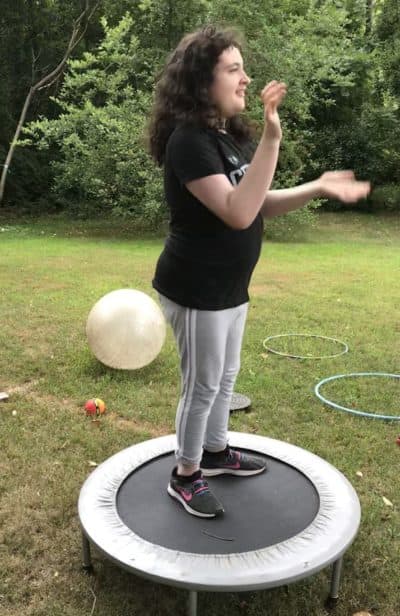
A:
x: 388, y: 40
x: 331, y: 58
x: 34, y: 37
x: 99, y: 133
x: 308, y: 49
x: 357, y: 128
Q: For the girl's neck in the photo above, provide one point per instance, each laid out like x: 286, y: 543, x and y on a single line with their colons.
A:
x: 221, y: 125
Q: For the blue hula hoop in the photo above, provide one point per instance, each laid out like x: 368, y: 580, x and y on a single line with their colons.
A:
x: 355, y: 411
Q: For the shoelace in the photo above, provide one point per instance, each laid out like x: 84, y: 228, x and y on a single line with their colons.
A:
x: 200, y: 486
x: 232, y: 456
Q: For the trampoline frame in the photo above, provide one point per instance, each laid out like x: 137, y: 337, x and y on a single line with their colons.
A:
x: 320, y: 544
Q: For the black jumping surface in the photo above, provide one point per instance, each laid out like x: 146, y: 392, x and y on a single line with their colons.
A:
x: 260, y: 511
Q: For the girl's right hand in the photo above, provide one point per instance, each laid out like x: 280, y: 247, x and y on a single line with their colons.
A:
x: 272, y: 96
x: 342, y: 185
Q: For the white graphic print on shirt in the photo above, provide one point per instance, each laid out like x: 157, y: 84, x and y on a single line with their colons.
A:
x: 236, y: 174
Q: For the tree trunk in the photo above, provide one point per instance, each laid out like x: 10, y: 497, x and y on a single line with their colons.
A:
x: 369, y: 11
x: 13, y: 144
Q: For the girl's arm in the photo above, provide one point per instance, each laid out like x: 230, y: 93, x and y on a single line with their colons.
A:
x: 238, y: 206
x: 340, y: 185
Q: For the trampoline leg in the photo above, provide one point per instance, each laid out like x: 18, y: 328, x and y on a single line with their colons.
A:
x: 87, y: 559
x: 336, y: 571
x: 192, y: 603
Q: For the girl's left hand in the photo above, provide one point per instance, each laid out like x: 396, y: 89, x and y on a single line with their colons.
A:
x: 343, y: 186
x: 272, y: 96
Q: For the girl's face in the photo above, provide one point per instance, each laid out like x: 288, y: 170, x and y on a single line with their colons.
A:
x: 228, y: 89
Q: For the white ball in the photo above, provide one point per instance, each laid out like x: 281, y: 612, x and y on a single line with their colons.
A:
x: 126, y: 329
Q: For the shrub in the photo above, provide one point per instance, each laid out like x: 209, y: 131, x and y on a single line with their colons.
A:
x: 385, y: 198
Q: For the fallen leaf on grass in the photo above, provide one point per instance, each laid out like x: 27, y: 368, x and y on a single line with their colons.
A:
x: 387, y: 502
x: 91, y: 463
x: 359, y: 474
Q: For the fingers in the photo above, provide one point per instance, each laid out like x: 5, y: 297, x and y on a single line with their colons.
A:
x: 356, y: 191
x: 343, y: 185
x: 273, y: 93
x: 347, y: 174
x: 340, y: 175
x: 351, y: 191
x: 272, y: 85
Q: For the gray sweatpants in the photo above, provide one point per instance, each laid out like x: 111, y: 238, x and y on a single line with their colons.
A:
x: 209, y: 344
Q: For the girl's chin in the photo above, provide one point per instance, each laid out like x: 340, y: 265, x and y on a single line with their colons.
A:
x: 241, y: 104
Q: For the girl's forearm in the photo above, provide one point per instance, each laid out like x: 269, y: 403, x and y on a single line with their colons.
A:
x: 278, y: 202
x: 253, y: 187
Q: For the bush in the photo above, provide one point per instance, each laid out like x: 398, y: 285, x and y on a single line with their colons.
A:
x: 101, y: 164
x: 292, y: 225
x: 385, y: 198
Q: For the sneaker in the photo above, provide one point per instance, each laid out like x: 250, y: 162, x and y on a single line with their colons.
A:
x: 195, y: 495
x: 232, y: 462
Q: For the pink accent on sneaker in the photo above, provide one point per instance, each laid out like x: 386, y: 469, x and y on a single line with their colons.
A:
x: 237, y: 463
x: 186, y: 495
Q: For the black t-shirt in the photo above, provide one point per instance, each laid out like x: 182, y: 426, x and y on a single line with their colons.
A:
x: 205, y: 263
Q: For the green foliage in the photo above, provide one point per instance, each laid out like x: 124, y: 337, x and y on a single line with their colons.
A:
x: 388, y: 37
x: 33, y: 40
x: 340, y: 60
x: 307, y: 49
x: 293, y: 225
x: 369, y: 145
x: 103, y: 164
x: 356, y: 126
x: 386, y: 198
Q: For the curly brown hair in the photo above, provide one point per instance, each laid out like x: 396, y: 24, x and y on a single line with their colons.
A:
x: 182, y: 90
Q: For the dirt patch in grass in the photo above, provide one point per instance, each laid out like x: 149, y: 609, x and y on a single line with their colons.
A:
x: 23, y: 388
x: 138, y: 427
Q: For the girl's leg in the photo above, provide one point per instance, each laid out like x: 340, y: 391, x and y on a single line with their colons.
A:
x: 218, y: 457
x: 215, y: 438
x: 201, y: 337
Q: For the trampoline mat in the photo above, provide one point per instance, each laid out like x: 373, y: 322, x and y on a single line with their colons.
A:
x: 260, y: 511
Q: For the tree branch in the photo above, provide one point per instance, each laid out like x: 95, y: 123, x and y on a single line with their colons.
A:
x: 77, y: 34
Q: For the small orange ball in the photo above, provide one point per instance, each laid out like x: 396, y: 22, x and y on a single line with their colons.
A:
x: 95, y: 407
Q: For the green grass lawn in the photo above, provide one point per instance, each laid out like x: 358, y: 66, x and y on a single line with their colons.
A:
x: 341, y: 280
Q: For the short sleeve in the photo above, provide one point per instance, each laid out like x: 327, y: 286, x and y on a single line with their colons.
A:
x: 192, y: 153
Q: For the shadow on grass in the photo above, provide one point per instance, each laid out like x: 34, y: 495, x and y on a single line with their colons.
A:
x: 96, y: 370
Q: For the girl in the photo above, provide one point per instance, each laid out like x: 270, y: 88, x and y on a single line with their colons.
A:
x: 217, y: 186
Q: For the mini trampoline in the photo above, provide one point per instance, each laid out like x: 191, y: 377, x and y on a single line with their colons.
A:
x: 304, y: 514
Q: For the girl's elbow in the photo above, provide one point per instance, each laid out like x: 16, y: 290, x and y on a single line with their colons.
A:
x: 238, y: 217
x: 240, y: 223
